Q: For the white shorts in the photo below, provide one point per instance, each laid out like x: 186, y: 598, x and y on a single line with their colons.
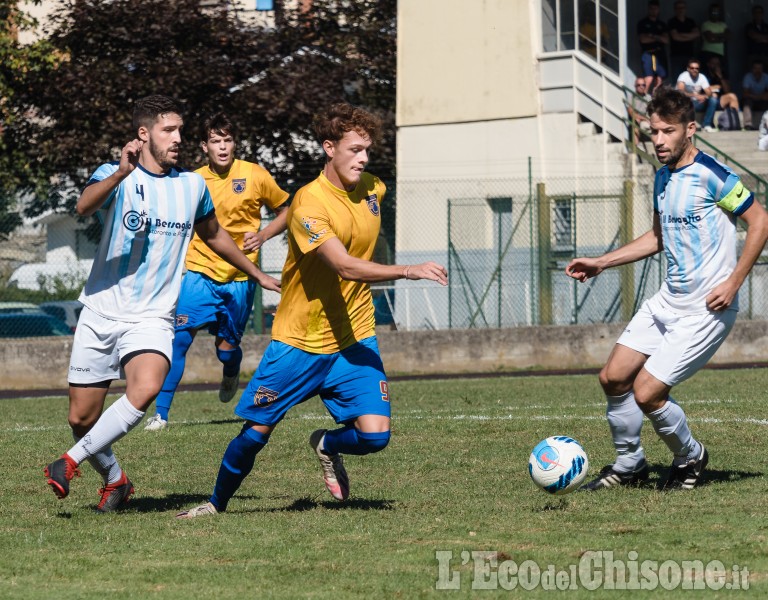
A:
x: 677, y: 344
x: 101, y: 344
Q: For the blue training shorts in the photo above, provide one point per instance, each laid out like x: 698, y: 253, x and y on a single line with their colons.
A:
x: 350, y: 383
x: 652, y: 65
x: 223, y: 307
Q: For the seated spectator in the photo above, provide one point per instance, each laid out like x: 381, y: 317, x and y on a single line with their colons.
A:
x: 637, y: 107
x: 757, y: 35
x: 721, y: 90
x: 762, y: 141
x: 714, y: 35
x: 653, y: 37
x: 755, y: 90
x: 695, y: 85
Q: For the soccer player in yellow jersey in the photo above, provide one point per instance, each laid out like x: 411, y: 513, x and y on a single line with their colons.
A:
x: 213, y: 293
x: 323, y: 338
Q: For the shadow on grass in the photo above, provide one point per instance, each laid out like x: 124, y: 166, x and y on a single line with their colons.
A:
x: 170, y: 502
x: 307, y: 503
x: 211, y: 422
x: 659, y: 473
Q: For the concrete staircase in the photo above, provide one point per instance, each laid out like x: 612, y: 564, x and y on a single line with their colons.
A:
x: 741, y: 146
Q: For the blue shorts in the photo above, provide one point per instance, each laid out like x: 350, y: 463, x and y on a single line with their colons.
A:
x: 653, y: 65
x: 223, y: 307
x: 351, y: 383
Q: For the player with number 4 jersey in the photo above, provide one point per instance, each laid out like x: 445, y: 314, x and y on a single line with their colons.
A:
x: 126, y: 327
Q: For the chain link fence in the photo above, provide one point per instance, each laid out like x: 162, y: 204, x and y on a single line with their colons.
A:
x: 505, y: 243
x: 507, y: 248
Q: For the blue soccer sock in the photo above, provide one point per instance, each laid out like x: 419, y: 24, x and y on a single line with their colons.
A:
x: 181, y: 343
x: 231, y: 360
x: 349, y: 440
x: 236, y: 464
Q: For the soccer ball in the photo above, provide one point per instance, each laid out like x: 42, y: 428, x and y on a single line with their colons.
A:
x: 558, y: 465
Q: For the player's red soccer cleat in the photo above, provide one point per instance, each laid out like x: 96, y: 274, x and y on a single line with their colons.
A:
x: 115, y: 495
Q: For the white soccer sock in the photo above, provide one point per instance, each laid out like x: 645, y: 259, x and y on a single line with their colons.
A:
x: 104, y: 463
x: 672, y: 427
x: 626, y: 421
x: 113, y: 424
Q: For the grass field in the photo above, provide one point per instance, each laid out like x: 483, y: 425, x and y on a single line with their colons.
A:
x: 453, y: 481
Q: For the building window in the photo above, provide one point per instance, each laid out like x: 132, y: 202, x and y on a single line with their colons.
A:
x: 590, y: 26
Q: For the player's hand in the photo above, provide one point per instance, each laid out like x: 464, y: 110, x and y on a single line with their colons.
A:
x: 268, y: 282
x: 129, y: 156
x: 428, y: 270
x: 722, y: 296
x: 253, y: 240
x: 582, y: 269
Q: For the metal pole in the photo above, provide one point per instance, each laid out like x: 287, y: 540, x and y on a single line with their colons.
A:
x: 626, y: 235
x: 450, y: 272
x: 545, y: 253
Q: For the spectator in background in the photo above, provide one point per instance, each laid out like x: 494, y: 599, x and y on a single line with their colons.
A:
x: 721, y: 90
x: 714, y: 34
x: 653, y: 36
x: 695, y: 85
x: 762, y: 142
x: 637, y: 108
x: 755, y: 92
x: 757, y: 36
x: 683, y: 36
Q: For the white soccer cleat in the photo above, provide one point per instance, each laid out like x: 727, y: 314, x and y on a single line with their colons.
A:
x: 203, y: 510
x: 228, y: 387
x: 334, y: 473
x: 155, y: 423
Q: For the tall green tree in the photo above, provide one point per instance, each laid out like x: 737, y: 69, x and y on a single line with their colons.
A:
x: 271, y: 80
x: 17, y: 64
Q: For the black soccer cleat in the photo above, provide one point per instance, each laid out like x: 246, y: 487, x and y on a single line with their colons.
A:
x: 609, y: 478
x: 115, y: 495
x: 59, y: 473
x: 687, y: 476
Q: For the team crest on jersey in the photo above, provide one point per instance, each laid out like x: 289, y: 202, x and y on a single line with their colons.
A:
x: 309, y: 224
x: 264, y: 396
x: 182, y: 320
x: 238, y: 186
x: 373, y: 204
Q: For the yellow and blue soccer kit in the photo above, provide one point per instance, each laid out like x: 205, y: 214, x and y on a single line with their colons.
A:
x: 323, y: 337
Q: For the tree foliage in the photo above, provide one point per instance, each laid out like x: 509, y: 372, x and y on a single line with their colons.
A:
x: 270, y: 80
x: 17, y: 63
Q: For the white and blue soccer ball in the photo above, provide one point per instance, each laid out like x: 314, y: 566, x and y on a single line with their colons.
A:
x: 558, y: 465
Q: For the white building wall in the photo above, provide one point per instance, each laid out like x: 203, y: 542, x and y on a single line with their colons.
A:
x: 476, y: 120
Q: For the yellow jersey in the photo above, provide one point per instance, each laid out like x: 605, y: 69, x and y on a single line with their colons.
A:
x: 238, y: 196
x: 319, y: 312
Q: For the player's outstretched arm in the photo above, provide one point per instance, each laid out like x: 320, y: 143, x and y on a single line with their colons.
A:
x: 97, y: 193
x: 217, y: 238
x: 646, y: 245
x: 253, y: 240
x: 335, y: 255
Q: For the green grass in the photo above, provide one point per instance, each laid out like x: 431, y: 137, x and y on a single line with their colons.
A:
x: 454, y: 478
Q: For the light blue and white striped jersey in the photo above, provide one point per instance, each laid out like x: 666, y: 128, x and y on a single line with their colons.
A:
x: 147, y: 222
x: 697, y: 206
